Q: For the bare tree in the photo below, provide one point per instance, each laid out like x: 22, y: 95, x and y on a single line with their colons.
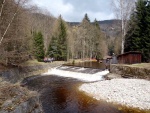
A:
x: 42, y: 20
x: 12, y: 18
x: 2, y: 6
x: 122, y: 10
x: 13, y: 29
x: 1, y: 10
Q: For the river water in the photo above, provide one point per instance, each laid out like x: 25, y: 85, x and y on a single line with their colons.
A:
x: 61, y: 95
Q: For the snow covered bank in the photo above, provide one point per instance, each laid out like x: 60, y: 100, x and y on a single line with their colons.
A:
x: 130, y: 92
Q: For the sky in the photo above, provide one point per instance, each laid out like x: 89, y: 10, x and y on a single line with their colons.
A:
x: 74, y: 10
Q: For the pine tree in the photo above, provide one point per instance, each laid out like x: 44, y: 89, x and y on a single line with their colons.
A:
x: 53, y: 48
x: 131, y: 35
x: 86, y: 17
x: 138, y: 34
x: 38, y: 46
x: 96, y: 24
x: 58, y: 44
x: 62, y: 40
x: 97, y: 39
x: 146, y: 38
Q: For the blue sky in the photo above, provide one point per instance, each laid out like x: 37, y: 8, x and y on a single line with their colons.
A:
x: 74, y: 10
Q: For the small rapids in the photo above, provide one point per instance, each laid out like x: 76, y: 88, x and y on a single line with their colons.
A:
x: 83, y: 74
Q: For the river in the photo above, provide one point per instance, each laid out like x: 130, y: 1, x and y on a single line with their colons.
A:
x: 61, y: 95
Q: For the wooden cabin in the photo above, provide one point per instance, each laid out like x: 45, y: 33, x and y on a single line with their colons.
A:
x: 131, y: 57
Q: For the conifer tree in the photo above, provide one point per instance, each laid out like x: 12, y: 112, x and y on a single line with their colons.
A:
x: 96, y: 24
x: 97, y: 40
x: 38, y: 46
x: 86, y: 17
x: 53, y: 48
x: 138, y: 35
x: 58, y: 44
x: 62, y: 40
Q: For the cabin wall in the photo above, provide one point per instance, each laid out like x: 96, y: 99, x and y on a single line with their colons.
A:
x: 130, y: 58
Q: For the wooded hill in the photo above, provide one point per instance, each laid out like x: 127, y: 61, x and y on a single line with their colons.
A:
x: 109, y: 27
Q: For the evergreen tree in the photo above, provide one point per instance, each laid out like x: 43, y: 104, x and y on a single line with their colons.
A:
x: 58, y: 44
x: 138, y: 34
x: 96, y: 24
x: 86, y: 17
x: 131, y: 36
x: 38, y: 46
x: 53, y: 48
x: 146, y: 38
x: 97, y: 39
x: 62, y: 40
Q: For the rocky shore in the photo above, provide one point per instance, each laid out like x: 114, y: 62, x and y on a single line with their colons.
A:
x: 16, y: 99
x: 133, y: 93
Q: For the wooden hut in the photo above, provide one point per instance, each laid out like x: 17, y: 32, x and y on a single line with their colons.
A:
x: 131, y: 57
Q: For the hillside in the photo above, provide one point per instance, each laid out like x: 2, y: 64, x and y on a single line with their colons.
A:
x: 110, y: 27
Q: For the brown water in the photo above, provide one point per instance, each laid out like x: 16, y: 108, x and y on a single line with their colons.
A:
x: 61, y: 95
x: 94, y: 65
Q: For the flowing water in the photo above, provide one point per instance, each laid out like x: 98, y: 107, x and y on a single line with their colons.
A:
x: 61, y: 95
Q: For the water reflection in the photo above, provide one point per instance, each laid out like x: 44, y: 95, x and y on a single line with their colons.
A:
x: 94, y: 65
x: 61, y: 95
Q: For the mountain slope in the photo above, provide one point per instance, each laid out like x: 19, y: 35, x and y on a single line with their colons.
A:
x: 110, y: 27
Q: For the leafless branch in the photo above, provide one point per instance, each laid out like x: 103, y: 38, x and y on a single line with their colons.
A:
x: 2, y: 8
x: 17, y: 9
x: 123, y: 9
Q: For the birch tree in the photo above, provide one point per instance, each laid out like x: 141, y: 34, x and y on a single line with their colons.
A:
x: 19, y: 2
x: 13, y: 30
x: 122, y: 10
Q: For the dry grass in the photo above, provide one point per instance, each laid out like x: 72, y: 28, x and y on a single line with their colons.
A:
x: 140, y: 65
x: 35, y: 63
x: 13, y: 94
x: 81, y: 60
x: 32, y: 63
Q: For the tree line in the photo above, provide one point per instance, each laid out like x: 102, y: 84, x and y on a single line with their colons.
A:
x: 27, y: 31
x: 82, y: 41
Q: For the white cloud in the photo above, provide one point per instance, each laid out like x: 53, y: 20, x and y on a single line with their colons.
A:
x: 74, y: 10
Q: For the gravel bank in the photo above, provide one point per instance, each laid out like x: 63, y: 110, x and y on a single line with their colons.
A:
x: 129, y: 92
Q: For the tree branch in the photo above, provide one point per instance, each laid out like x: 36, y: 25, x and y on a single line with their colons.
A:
x: 7, y: 28
x: 2, y: 8
x: 10, y: 21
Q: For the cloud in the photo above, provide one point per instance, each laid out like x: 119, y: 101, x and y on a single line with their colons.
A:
x: 74, y: 10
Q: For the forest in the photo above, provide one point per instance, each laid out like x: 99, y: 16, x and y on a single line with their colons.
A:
x: 28, y: 32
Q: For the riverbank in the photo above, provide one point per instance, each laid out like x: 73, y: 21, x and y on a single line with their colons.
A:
x: 140, y: 71
x: 17, y: 99
x: 134, y: 93
x: 26, y: 69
